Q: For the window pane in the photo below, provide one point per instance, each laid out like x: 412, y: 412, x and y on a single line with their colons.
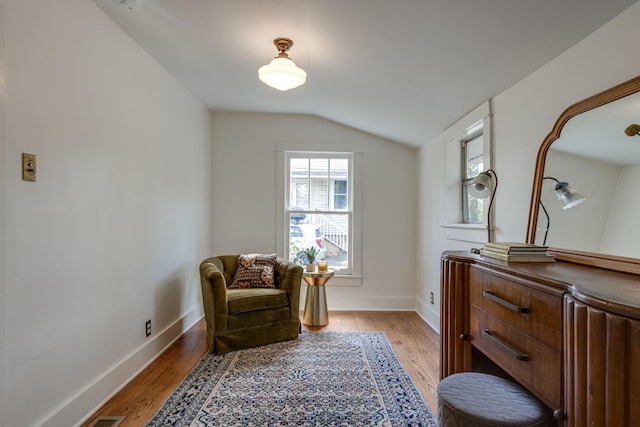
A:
x: 339, y: 168
x: 474, y: 212
x: 329, y: 234
x: 473, y: 157
x: 340, y: 197
x: 299, y: 184
x: 319, y: 185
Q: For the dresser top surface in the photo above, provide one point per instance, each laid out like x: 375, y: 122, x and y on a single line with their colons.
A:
x: 607, y: 289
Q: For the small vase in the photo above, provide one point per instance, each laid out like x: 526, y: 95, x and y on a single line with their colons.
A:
x: 311, y: 267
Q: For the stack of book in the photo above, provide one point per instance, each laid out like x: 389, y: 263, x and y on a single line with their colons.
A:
x: 516, y: 252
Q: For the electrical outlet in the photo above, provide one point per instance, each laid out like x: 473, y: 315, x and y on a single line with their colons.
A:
x: 147, y: 327
x: 431, y: 297
x: 28, y: 167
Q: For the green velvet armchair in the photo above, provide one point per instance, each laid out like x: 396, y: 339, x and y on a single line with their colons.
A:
x: 243, y: 318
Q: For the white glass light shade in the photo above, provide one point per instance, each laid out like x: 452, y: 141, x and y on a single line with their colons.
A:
x: 481, y: 186
x: 568, y: 197
x: 282, y: 74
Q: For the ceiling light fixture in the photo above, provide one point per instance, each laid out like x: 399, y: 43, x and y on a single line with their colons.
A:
x: 281, y: 73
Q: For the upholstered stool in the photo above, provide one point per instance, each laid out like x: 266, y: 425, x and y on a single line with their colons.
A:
x: 474, y: 399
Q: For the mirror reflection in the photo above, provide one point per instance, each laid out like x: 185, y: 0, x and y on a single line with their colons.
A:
x: 598, y: 155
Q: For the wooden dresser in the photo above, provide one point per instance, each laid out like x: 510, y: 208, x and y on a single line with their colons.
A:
x: 569, y: 333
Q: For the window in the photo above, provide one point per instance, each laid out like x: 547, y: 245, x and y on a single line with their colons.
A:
x: 472, y: 165
x: 319, y: 200
x: 468, y: 152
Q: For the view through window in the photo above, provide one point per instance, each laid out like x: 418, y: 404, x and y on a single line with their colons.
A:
x: 319, y: 208
x: 472, y: 165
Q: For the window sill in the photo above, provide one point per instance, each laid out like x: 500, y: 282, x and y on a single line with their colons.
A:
x: 470, y: 233
x: 465, y: 226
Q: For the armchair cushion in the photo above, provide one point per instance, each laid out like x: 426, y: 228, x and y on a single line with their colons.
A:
x: 244, y: 300
x: 254, y: 271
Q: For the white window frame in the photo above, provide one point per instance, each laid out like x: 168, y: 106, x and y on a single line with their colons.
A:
x: 342, y: 278
x: 455, y: 228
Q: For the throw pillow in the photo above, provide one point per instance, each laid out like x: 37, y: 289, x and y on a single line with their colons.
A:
x: 254, y: 271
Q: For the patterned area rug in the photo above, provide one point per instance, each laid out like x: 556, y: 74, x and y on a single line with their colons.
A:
x: 320, y: 379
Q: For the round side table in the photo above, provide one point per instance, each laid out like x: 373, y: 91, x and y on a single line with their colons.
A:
x: 315, y: 305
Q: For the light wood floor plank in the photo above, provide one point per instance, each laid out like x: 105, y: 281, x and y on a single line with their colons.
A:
x: 413, y: 341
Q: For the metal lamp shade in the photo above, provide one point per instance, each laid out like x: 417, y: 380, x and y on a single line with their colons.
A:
x: 481, y: 186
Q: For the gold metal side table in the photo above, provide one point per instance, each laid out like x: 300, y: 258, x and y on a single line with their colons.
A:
x: 315, y: 305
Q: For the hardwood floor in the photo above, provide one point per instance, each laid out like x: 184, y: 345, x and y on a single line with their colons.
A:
x: 413, y: 341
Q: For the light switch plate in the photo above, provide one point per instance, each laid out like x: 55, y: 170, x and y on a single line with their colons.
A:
x: 28, y: 167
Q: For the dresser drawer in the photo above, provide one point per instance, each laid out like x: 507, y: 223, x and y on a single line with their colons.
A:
x: 533, y: 312
x: 534, y: 364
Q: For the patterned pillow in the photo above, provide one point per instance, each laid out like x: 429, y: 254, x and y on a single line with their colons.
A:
x: 254, y: 271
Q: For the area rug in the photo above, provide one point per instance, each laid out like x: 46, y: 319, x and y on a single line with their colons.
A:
x: 320, y: 379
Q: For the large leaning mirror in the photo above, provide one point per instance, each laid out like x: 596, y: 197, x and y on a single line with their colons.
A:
x: 594, y: 151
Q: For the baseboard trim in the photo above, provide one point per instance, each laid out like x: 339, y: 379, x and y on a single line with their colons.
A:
x: 428, y: 314
x: 358, y: 303
x: 86, y: 402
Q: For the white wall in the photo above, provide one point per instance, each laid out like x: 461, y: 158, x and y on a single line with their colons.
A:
x: 522, y: 116
x: 244, y: 203
x: 3, y: 228
x: 622, y: 233
x: 112, y: 232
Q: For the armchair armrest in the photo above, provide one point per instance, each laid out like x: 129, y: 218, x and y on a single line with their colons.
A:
x: 289, y: 278
x: 214, y: 294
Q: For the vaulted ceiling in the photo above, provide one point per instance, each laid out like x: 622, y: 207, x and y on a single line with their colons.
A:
x: 400, y: 69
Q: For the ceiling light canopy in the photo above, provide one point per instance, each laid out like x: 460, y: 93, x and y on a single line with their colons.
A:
x: 632, y: 130
x: 282, y: 73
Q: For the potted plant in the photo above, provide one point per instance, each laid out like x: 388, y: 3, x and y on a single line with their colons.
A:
x: 310, y: 253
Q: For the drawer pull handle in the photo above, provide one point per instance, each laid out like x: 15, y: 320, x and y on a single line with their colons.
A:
x: 504, y: 303
x: 520, y: 356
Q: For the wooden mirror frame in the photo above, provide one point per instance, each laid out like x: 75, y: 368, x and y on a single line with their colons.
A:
x: 612, y: 262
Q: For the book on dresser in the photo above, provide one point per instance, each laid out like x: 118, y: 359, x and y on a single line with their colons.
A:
x: 516, y: 252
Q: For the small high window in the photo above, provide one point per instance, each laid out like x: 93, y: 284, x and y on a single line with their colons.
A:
x: 468, y: 153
